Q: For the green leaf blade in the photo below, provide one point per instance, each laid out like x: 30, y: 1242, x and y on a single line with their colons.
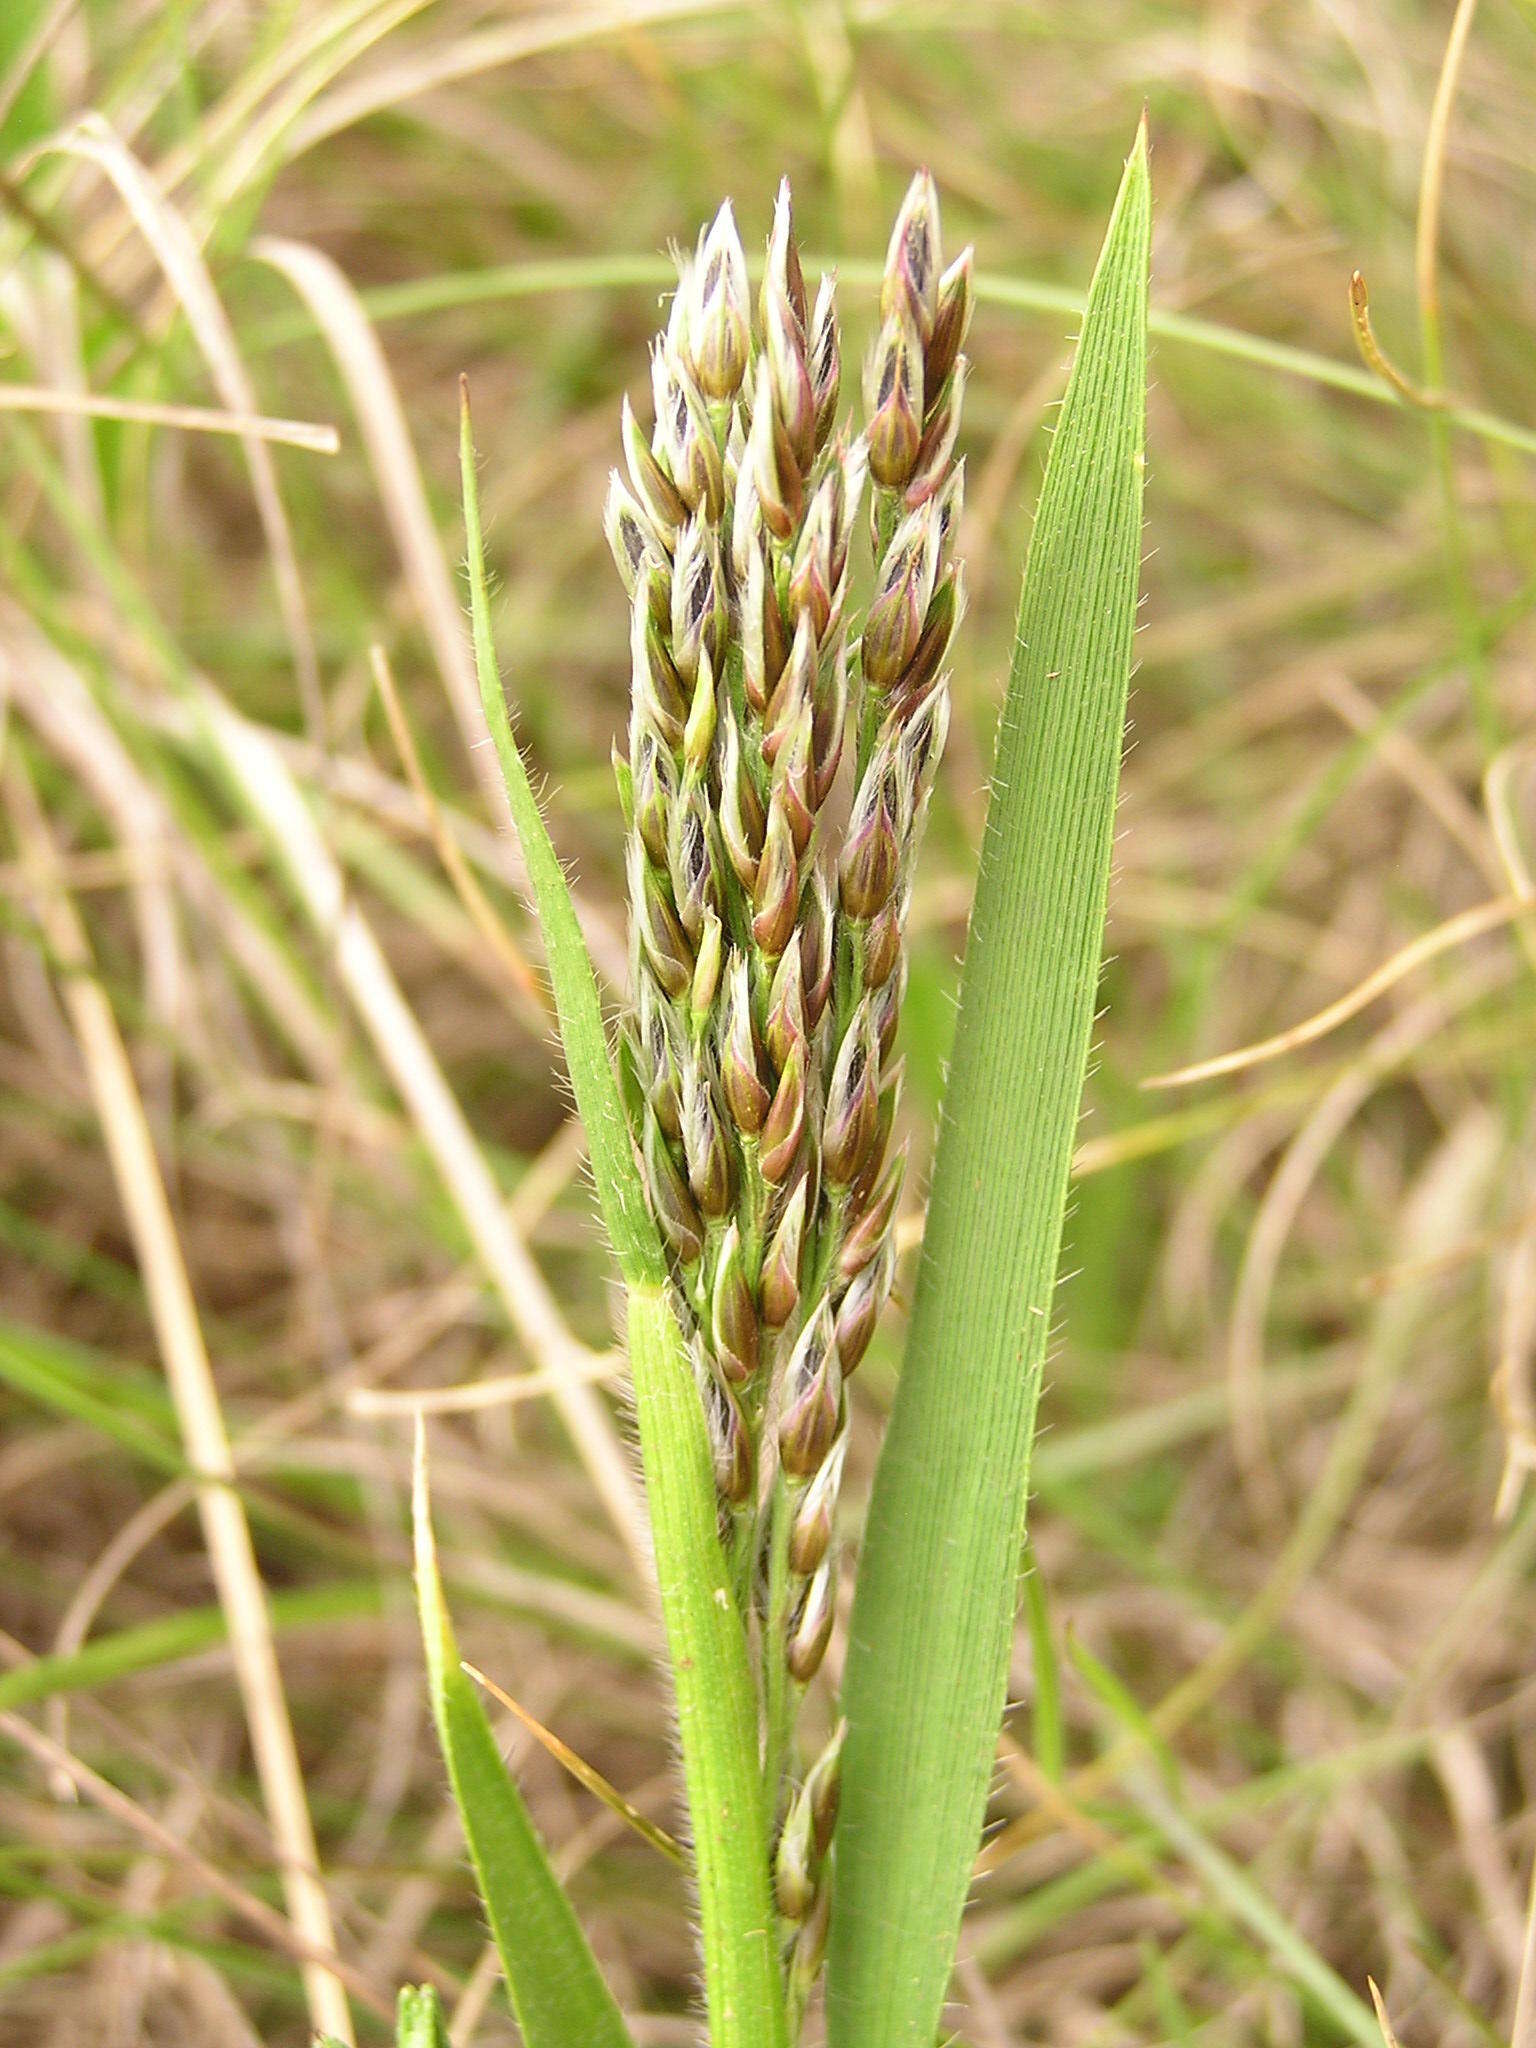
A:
x: 556, y: 1988
x: 933, y: 1611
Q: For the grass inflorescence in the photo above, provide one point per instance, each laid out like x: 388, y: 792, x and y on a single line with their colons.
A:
x: 767, y: 957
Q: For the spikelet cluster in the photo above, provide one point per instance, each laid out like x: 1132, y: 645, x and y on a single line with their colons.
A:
x: 779, y: 767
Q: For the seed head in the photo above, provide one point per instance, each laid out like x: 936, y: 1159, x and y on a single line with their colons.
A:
x: 759, y: 1063
x: 692, y: 450
x: 785, y: 1025
x: 652, y: 793
x: 936, y: 450
x: 743, y: 821
x: 810, y: 1947
x: 699, y: 732
x: 794, y: 1874
x: 900, y: 606
x: 700, y: 614
x: 881, y: 936
x: 776, y: 889
x: 788, y: 380
x: 663, y: 942
x: 794, y: 689
x: 886, y: 1004
x: 776, y: 479
x: 871, y: 853
x: 795, y: 781
x: 869, y: 1233
x: 765, y: 641
x: 659, y: 701
x: 824, y: 357
x: 691, y: 862
x: 823, y: 1789
x: 815, y: 571
x: 706, y: 971
x: 945, y: 609
x: 890, y: 1095
x: 817, y: 918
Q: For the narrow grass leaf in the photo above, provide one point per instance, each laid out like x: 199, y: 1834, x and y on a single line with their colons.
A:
x: 706, y: 1639
x: 556, y: 1988
x: 1232, y: 1889
x: 1049, y: 1732
x: 1122, y: 1704
x: 156, y: 1645
x: 928, y: 1644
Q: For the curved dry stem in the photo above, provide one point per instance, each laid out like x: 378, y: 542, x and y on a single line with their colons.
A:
x: 1375, y: 356
x: 364, y: 368
x: 186, y: 274
x: 1455, y: 931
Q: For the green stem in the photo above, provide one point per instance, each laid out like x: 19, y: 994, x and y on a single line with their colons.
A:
x: 716, y: 1712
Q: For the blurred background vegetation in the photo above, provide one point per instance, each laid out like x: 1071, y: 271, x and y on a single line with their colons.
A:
x: 1279, y: 1500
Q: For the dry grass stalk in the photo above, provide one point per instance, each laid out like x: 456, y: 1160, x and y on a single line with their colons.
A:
x: 231, y: 1554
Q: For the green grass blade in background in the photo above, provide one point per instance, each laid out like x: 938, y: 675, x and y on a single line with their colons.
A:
x: 556, y: 1988
x: 706, y: 1639
x: 928, y: 1643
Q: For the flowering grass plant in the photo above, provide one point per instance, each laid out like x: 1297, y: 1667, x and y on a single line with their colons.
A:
x: 783, y: 745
